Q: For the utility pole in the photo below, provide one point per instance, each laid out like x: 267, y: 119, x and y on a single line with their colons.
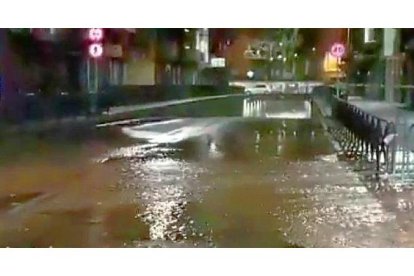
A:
x: 348, y: 55
x: 391, y: 64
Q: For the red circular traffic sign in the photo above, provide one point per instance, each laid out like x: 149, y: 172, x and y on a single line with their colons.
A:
x: 95, y: 34
x: 95, y: 50
x: 338, y: 50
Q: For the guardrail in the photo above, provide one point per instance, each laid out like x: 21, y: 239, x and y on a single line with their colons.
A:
x: 286, y: 87
x: 366, y: 134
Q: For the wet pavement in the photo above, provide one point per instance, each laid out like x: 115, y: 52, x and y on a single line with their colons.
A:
x: 254, y: 172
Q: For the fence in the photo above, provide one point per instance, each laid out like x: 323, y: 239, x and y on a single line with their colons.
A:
x: 404, y: 155
x: 365, y: 134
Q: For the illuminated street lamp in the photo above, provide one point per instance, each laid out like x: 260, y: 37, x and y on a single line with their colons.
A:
x: 295, y: 56
x: 250, y: 74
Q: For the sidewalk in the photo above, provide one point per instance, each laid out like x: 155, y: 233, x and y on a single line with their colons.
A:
x: 392, y: 112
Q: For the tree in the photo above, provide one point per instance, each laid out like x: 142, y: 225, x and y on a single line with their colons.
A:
x: 282, y: 46
x: 287, y: 41
x: 284, y: 40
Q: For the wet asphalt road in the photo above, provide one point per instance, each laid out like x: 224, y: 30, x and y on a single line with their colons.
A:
x: 255, y: 172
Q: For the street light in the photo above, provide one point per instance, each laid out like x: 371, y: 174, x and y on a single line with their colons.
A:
x: 250, y: 74
x: 313, y: 49
x: 295, y: 56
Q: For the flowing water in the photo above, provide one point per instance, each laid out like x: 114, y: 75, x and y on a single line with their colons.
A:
x: 226, y: 173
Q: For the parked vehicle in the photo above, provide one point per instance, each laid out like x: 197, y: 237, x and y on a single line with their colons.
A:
x: 258, y: 89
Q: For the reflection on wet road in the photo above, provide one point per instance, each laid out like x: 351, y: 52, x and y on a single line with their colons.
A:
x: 257, y: 179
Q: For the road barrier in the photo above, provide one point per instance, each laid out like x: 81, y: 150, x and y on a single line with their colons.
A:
x: 284, y: 87
x: 38, y: 107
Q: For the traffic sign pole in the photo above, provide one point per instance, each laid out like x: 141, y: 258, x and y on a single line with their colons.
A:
x: 95, y: 51
x: 337, y: 77
x: 95, y: 87
x: 337, y: 51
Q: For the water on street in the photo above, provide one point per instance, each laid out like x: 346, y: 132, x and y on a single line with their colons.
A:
x: 254, y: 172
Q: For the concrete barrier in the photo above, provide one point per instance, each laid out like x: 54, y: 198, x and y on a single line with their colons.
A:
x: 36, y: 107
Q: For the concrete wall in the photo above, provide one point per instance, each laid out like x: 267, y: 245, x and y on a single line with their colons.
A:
x: 140, y: 72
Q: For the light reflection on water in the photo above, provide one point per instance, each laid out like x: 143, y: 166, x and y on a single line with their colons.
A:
x: 281, y: 109
x: 163, y: 187
x: 165, y: 200
x: 306, y: 195
x: 225, y: 182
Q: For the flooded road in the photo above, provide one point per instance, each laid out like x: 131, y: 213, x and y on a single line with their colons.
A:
x: 226, y: 173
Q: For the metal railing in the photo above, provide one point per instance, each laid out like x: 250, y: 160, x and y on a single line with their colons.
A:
x: 365, y: 134
x: 284, y: 87
x: 404, y: 155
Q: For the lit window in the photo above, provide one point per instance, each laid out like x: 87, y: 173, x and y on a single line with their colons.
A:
x: 369, y: 35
